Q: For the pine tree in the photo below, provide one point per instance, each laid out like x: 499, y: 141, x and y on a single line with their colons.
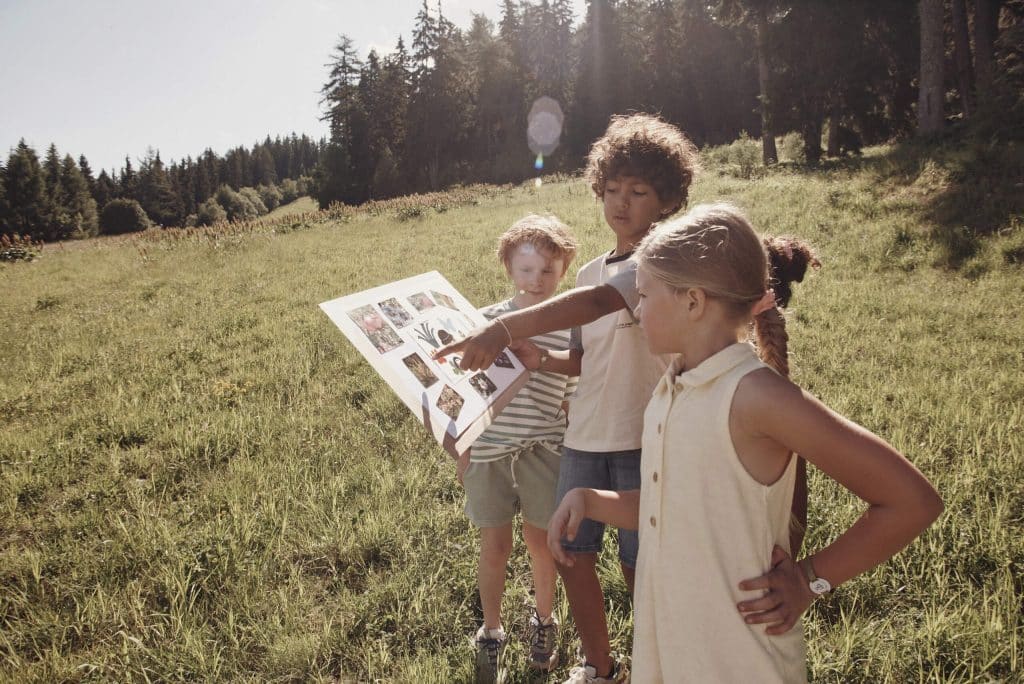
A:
x: 663, y: 82
x: 599, y: 78
x: 207, y: 178
x: 83, y: 166
x: 339, y: 93
x: 336, y: 181
x: 183, y: 180
x: 28, y: 206
x: 392, y: 120
x: 264, y: 170
x: 333, y: 177
x: 106, y: 189
x: 438, y: 110
x: 156, y: 193
x: 51, y: 173
x: 498, y: 144
x: 128, y: 181
x: 77, y: 207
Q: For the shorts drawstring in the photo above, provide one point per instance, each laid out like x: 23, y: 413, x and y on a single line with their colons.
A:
x: 512, y: 466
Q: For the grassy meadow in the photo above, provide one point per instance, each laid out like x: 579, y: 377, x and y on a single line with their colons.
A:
x: 201, y: 480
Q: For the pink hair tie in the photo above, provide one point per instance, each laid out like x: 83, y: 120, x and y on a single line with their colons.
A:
x: 765, y: 303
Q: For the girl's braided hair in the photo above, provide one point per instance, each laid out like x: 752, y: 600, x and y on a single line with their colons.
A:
x: 714, y: 247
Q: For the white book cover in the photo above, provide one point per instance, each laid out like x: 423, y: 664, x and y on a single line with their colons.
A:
x: 397, y: 327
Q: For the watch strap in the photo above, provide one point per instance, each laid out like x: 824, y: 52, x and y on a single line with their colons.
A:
x: 818, y: 585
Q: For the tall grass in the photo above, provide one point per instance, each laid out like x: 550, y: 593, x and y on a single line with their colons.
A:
x: 201, y: 480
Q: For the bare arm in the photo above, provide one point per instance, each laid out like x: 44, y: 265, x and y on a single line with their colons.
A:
x: 799, y: 509
x: 621, y: 509
x: 901, y: 502
x: 576, y: 307
x: 564, y: 361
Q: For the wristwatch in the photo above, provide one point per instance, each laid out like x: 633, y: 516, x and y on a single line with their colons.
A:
x: 819, y: 585
x: 544, y: 356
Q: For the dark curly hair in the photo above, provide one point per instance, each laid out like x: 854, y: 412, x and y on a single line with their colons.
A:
x: 647, y: 147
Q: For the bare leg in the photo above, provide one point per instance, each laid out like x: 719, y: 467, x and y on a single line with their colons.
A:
x: 628, y: 574
x: 543, y: 566
x: 495, y: 548
x: 586, y: 601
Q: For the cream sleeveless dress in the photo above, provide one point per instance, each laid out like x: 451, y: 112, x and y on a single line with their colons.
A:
x: 705, y: 525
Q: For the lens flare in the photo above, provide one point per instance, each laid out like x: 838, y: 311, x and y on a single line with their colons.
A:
x: 544, y: 125
x: 537, y: 182
x: 539, y: 162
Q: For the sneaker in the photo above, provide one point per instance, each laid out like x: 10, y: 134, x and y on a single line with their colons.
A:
x: 543, y: 650
x: 489, y: 644
x: 587, y: 674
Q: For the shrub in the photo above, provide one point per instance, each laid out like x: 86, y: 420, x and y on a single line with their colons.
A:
x: 289, y: 189
x: 123, y: 216
x: 237, y: 205
x: 270, y: 196
x: 210, y: 213
x: 254, y: 199
x: 792, y: 147
x: 715, y: 156
x: 745, y: 154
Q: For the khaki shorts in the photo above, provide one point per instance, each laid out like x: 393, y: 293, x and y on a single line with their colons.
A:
x: 525, y: 480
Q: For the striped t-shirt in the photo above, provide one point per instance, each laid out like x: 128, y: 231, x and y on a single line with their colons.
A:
x: 535, y: 415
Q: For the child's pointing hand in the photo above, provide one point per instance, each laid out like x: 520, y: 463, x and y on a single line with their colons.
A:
x: 479, y: 348
x: 786, y: 597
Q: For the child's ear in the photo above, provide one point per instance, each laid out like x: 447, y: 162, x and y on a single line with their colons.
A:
x: 693, y: 300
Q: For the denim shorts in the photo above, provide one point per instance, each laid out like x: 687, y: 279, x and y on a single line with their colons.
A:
x: 616, y: 470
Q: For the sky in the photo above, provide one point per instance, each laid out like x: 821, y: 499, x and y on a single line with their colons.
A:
x: 111, y: 78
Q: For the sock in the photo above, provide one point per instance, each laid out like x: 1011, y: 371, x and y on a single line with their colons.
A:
x: 496, y: 633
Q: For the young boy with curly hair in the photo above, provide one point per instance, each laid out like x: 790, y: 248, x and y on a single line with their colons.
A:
x: 641, y: 170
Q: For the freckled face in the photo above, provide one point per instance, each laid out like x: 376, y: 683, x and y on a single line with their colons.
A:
x: 630, y: 207
x: 534, y: 274
x: 661, y: 314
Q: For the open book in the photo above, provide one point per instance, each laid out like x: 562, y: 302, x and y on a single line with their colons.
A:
x: 398, y: 326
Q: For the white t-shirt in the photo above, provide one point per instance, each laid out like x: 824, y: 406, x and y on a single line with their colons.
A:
x: 618, y: 371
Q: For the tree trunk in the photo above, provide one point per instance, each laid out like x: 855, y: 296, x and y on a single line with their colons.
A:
x: 962, y: 54
x: 768, y: 152
x: 811, y: 131
x: 986, y: 27
x: 930, y: 85
x: 833, y: 132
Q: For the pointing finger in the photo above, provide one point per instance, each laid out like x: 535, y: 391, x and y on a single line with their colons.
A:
x: 449, y: 349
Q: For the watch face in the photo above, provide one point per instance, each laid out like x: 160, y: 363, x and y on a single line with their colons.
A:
x: 821, y: 586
